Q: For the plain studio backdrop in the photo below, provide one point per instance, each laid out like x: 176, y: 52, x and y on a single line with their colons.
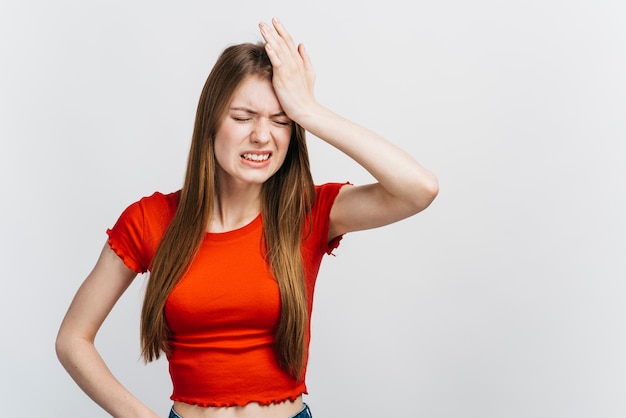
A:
x: 505, y: 298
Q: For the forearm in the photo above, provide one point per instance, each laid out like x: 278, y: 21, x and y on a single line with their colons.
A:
x: 82, y: 361
x: 396, y: 171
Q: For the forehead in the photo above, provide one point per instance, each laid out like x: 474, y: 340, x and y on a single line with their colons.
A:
x: 256, y: 94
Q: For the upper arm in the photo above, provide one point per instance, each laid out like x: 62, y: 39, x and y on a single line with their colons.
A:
x: 96, y: 296
x: 369, y: 206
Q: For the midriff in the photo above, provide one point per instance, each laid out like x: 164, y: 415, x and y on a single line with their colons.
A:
x: 252, y: 410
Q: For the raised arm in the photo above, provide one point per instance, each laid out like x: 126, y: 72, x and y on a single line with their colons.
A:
x: 75, y: 341
x: 404, y: 187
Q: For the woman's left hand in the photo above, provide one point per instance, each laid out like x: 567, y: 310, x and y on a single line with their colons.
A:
x: 293, y: 77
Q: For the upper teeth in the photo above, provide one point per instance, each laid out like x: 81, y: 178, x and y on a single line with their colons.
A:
x: 256, y: 157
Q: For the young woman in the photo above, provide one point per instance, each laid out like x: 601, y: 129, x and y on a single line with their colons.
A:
x: 233, y: 256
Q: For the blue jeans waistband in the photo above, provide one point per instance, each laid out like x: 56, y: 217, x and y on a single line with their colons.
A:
x: 305, y: 412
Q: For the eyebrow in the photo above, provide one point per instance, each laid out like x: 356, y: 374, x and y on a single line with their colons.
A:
x: 252, y: 112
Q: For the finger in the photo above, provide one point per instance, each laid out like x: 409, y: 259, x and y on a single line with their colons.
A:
x: 283, y: 47
x: 272, y: 55
x: 284, y: 34
x: 306, y: 60
x: 267, y: 35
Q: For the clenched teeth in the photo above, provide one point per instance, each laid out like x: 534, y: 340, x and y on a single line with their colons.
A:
x: 256, y: 157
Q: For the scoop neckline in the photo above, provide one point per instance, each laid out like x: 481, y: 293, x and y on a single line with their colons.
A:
x: 233, y: 233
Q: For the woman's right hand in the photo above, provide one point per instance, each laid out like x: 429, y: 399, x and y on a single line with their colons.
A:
x: 75, y: 340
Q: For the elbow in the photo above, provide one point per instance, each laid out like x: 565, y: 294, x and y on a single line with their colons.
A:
x: 425, y: 192
x: 61, y: 347
x: 433, y: 189
x: 67, y: 345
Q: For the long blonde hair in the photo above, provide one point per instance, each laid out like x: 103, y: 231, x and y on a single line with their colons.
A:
x: 287, y: 198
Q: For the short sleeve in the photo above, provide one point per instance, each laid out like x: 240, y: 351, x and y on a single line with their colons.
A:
x: 139, y: 229
x: 326, y: 194
x: 126, y: 238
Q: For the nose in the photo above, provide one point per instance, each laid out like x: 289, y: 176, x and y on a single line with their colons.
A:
x: 260, y: 131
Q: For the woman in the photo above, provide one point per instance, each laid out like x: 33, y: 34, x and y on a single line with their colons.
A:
x: 233, y: 256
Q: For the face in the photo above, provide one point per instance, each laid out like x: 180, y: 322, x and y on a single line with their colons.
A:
x: 253, y: 137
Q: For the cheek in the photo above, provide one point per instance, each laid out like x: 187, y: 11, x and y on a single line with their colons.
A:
x: 221, y: 150
x: 226, y: 137
x: 283, y: 139
x: 284, y: 149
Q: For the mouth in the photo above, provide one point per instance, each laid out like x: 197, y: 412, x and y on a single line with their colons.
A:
x: 257, y: 158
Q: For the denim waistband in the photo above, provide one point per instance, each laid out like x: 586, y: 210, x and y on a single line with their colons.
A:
x: 173, y: 414
x: 305, y: 412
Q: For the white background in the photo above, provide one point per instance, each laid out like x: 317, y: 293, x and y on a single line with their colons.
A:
x: 505, y: 298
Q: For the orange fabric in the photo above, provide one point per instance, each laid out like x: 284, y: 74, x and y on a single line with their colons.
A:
x: 224, y: 310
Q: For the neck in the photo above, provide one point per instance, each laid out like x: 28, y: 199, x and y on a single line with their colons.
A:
x: 235, y: 209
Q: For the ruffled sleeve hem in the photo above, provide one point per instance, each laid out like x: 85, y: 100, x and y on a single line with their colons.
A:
x: 333, y: 244
x: 129, y: 262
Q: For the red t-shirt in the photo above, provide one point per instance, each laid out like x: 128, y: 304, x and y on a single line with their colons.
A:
x: 223, y: 312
